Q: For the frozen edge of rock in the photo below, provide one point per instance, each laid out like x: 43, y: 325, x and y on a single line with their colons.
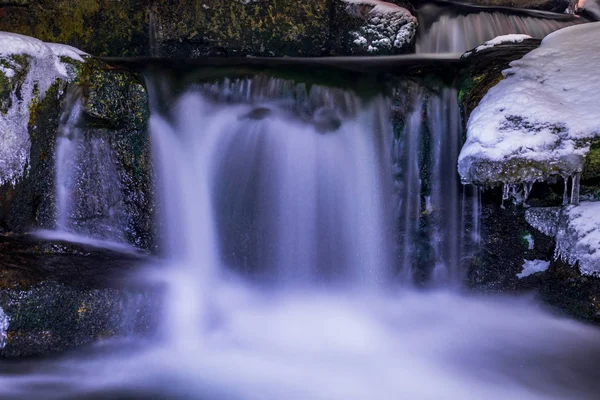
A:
x: 4, y: 322
x: 43, y: 64
x: 498, y: 40
x: 577, y: 233
x: 540, y: 119
x: 388, y: 27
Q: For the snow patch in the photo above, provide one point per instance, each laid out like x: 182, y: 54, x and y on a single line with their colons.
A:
x: 511, y: 38
x: 539, y: 119
x: 43, y: 66
x: 4, y: 322
x: 531, y: 267
x: 379, y: 6
x: 388, y: 26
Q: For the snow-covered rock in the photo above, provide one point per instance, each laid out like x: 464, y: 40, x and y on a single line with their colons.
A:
x: 511, y: 38
x: 531, y: 267
x: 387, y: 28
x: 28, y: 67
x: 540, y: 119
x: 577, y: 233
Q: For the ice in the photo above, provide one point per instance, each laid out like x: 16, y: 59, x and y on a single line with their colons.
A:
x: 3, y: 328
x: 538, y: 121
x: 510, y: 38
x: 43, y: 66
x: 578, y: 241
x: 577, y: 232
x: 531, y: 267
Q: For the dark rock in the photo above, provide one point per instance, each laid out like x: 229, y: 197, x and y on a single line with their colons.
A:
x: 115, y: 110
x: 213, y: 27
x: 59, y: 295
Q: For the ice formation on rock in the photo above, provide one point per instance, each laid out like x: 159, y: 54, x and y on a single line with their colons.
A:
x: 498, y: 40
x: 30, y: 66
x: 387, y: 26
x: 577, y: 232
x: 540, y: 119
x: 4, y: 322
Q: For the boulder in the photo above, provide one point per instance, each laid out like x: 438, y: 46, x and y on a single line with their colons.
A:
x: 56, y: 295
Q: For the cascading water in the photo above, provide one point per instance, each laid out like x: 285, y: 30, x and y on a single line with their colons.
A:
x: 278, y: 226
x: 277, y: 233
x: 89, y: 201
x: 276, y: 180
x: 462, y: 32
x: 438, y: 217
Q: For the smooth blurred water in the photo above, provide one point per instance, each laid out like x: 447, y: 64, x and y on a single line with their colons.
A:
x: 277, y: 227
x: 273, y: 345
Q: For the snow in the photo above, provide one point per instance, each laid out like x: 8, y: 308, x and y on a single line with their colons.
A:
x: 531, y: 267
x: 511, y: 38
x: 379, y: 6
x: 388, y: 26
x: 531, y: 124
x: 4, y: 322
x: 43, y: 67
x: 8, y: 72
x: 63, y: 50
x: 577, y: 232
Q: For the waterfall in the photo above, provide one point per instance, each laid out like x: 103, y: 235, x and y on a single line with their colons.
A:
x: 438, y: 216
x: 89, y: 200
x: 462, y: 32
x: 277, y: 181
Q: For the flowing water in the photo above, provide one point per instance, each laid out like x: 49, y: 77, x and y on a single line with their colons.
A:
x: 460, y: 32
x: 294, y: 223
x: 89, y: 200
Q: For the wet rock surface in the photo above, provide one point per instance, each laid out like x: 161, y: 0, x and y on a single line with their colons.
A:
x: 508, y: 240
x: 116, y: 114
x: 58, y: 295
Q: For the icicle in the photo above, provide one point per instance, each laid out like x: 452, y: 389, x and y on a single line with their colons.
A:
x: 566, y: 190
x: 527, y: 186
x: 575, y: 189
x: 505, y: 193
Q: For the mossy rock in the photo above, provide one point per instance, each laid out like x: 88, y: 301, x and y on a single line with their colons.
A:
x: 190, y: 28
x: 99, y: 27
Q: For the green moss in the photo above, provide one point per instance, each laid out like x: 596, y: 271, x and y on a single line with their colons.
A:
x: 20, y: 65
x: 270, y: 27
x: 101, y: 27
x: 591, y: 168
